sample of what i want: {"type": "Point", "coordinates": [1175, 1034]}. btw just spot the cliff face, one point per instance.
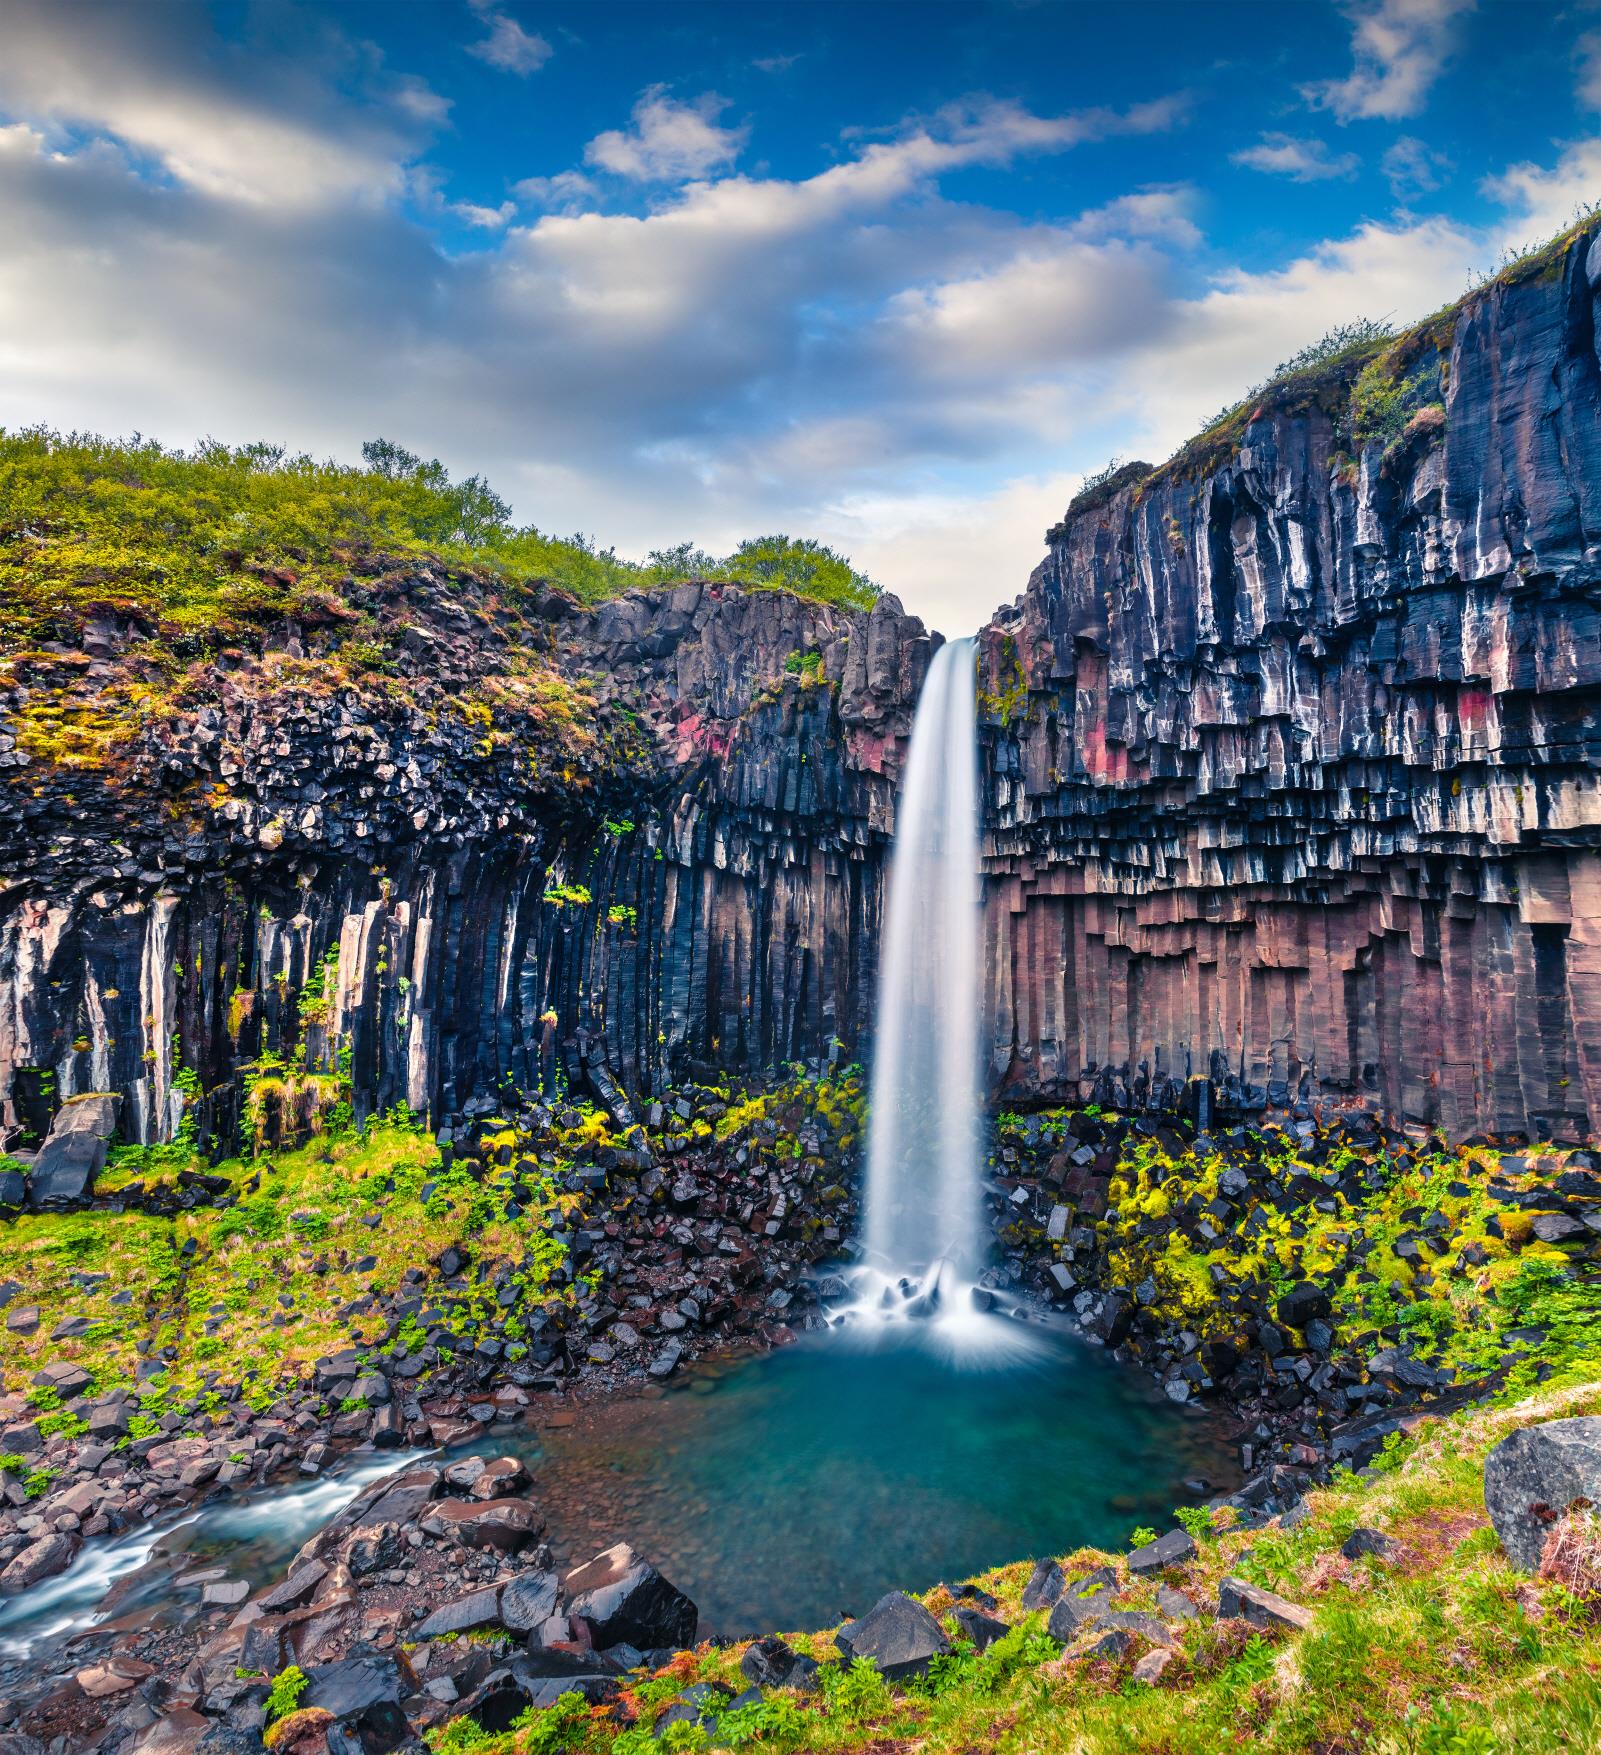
{"type": "Point", "coordinates": [1295, 770]}
{"type": "Point", "coordinates": [1293, 781]}
{"type": "Point", "coordinates": [614, 844]}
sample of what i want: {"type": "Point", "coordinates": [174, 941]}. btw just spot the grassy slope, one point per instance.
{"type": "Point", "coordinates": [208, 544]}
{"type": "Point", "coordinates": [334, 1227]}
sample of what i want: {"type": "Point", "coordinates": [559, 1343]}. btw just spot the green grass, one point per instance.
{"type": "Point", "coordinates": [214, 542]}
{"type": "Point", "coordinates": [297, 1230]}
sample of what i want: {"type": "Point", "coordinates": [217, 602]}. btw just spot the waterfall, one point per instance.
{"type": "Point", "coordinates": [922, 1205]}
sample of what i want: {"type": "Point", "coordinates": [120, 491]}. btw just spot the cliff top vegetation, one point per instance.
{"type": "Point", "coordinates": [1375, 378]}
{"type": "Point", "coordinates": [219, 538]}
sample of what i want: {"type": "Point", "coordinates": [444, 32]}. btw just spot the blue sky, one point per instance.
{"type": "Point", "coordinates": [896, 275]}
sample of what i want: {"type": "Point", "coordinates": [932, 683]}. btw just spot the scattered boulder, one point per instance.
{"type": "Point", "coordinates": [1045, 1584]}
{"type": "Point", "coordinates": [983, 1630]}
{"type": "Point", "coordinates": [480, 1608]}
{"type": "Point", "coordinates": [622, 1597]}
{"type": "Point", "coordinates": [528, 1601]}
{"type": "Point", "coordinates": [362, 1696]}
{"type": "Point", "coordinates": [1237, 1600]}
{"type": "Point", "coordinates": [1532, 1477]}
{"type": "Point", "coordinates": [898, 1633]}
{"type": "Point", "coordinates": [39, 1560]}
{"type": "Point", "coordinates": [1365, 1541]}
{"type": "Point", "coordinates": [1175, 1548]}
{"type": "Point", "coordinates": [771, 1663]}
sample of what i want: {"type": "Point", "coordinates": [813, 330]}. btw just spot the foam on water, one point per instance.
{"type": "Point", "coordinates": [134, 1570]}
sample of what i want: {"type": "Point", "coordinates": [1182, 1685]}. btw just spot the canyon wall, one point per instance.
{"type": "Point", "coordinates": [1293, 758]}
{"type": "Point", "coordinates": [652, 849]}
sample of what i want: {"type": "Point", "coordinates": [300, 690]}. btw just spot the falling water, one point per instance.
{"type": "Point", "coordinates": [923, 1213]}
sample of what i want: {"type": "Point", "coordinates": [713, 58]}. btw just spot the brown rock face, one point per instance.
{"type": "Point", "coordinates": [1294, 758]}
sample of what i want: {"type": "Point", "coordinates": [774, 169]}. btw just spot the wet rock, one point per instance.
{"type": "Point", "coordinates": [1530, 1480]}
{"type": "Point", "coordinates": [116, 1675]}
{"type": "Point", "coordinates": [362, 1697]}
{"type": "Point", "coordinates": [40, 1560]}
{"type": "Point", "coordinates": [528, 1601]}
{"type": "Point", "coordinates": [898, 1633]}
{"type": "Point", "coordinates": [507, 1525]}
{"type": "Point", "coordinates": [623, 1597]}
{"type": "Point", "coordinates": [479, 1608]}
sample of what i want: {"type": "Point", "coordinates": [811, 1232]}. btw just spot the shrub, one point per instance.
{"type": "Point", "coordinates": [284, 1694]}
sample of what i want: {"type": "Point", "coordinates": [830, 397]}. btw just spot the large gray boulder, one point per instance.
{"type": "Point", "coordinates": [898, 1634]}
{"type": "Point", "coordinates": [1531, 1478]}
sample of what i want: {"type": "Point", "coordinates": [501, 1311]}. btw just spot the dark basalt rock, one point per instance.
{"type": "Point", "coordinates": [1174, 1548]}
{"type": "Point", "coordinates": [1045, 1584]}
{"type": "Point", "coordinates": [1293, 744]}
{"type": "Point", "coordinates": [528, 1602]}
{"type": "Point", "coordinates": [983, 1630]}
{"type": "Point", "coordinates": [770, 1663]}
{"type": "Point", "coordinates": [622, 1597]}
{"type": "Point", "coordinates": [1237, 1600]}
{"type": "Point", "coordinates": [1534, 1476]}
{"type": "Point", "coordinates": [898, 1633]}
{"type": "Point", "coordinates": [40, 1560]}
{"type": "Point", "coordinates": [363, 1695]}
{"type": "Point", "coordinates": [727, 925]}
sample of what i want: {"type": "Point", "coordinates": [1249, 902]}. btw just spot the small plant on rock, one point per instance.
{"type": "Point", "coordinates": [284, 1694]}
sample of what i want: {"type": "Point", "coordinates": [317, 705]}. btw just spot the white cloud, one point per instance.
{"type": "Point", "coordinates": [1587, 53]}
{"type": "Point", "coordinates": [851, 354]}
{"type": "Point", "coordinates": [1399, 48]}
{"type": "Point", "coordinates": [1414, 167]}
{"type": "Point", "coordinates": [669, 141]}
{"type": "Point", "coordinates": [1056, 300]}
{"type": "Point", "coordinates": [134, 76]}
{"type": "Point", "coordinates": [508, 46]}
{"type": "Point", "coordinates": [1546, 199]}
{"type": "Point", "coordinates": [566, 192]}
{"type": "Point", "coordinates": [1301, 160]}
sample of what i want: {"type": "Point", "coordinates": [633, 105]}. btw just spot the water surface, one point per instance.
{"type": "Point", "coordinates": [786, 1490]}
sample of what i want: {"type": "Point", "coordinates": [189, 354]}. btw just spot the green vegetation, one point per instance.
{"type": "Point", "coordinates": [1379, 385]}
{"type": "Point", "coordinates": [257, 1288]}
{"type": "Point", "coordinates": [284, 1695]}
{"type": "Point", "coordinates": [1438, 1648]}
{"type": "Point", "coordinates": [1350, 1224]}
{"type": "Point", "coordinates": [210, 543]}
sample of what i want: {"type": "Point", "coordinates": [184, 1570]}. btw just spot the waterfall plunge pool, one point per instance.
{"type": "Point", "coordinates": [780, 1490]}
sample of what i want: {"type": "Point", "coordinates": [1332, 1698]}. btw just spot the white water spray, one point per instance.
{"type": "Point", "coordinates": [923, 1206]}
{"type": "Point", "coordinates": [922, 1171]}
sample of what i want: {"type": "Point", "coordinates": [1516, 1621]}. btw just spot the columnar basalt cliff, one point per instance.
{"type": "Point", "coordinates": [611, 846]}
{"type": "Point", "coordinates": [1295, 771]}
